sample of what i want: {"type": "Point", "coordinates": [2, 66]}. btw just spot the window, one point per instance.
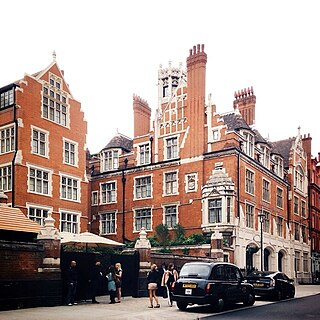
{"type": "Point", "coordinates": [249, 215]}
{"type": "Point", "coordinates": [54, 103]}
{"type": "Point", "coordinates": [296, 205]}
{"type": "Point", "coordinates": [6, 98]}
{"type": "Point", "coordinates": [171, 148]}
{"type": "Point", "coordinates": [278, 166]}
{"type": "Point", "coordinates": [265, 156]}
{"type": "Point", "coordinates": [108, 222]}
{"type": "Point", "coordinates": [108, 192]}
{"type": "Point", "coordinates": [248, 146]}
{"type": "Point", "coordinates": [144, 154]}
{"type": "Point", "coordinates": [70, 152]}
{"type": "Point", "coordinates": [6, 139]}
{"type": "Point", "coordinates": [69, 222]}
{"type": "Point", "coordinates": [266, 190]}
{"type": "Point", "coordinates": [296, 231]}
{"type": "Point", "coordinates": [229, 209]}
{"type": "Point", "coordinates": [37, 214]}
{"type": "Point", "coordinates": [304, 234]}
{"type": "Point", "coordinates": [39, 142]}
{"type": "Point", "coordinates": [299, 178]}
{"type": "Point", "coordinates": [110, 160]}
{"type": "Point", "coordinates": [39, 181]}
{"type": "Point", "coordinates": [303, 209]}
{"type": "Point", "coordinates": [296, 261]}
{"type": "Point", "coordinates": [170, 216]}
{"type": "Point", "coordinates": [142, 219]}
{"type": "Point", "coordinates": [266, 221]}
{"type": "Point", "coordinates": [279, 198]}
{"type": "Point", "coordinates": [305, 262]}
{"type": "Point", "coordinates": [70, 188]}
{"type": "Point", "coordinates": [94, 198]}
{"type": "Point", "coordinates": [215, 210]}
{"type": "Point", "coordinates": [143, 187]}
{"type": "Point", "coordinates": [5, 178]}
{"type": "Point", "coordinates": [280, 226]}
{"type": "Point", "coordinates": [171, 183]}
{"type": "Point", "coordinates": [249, 182]}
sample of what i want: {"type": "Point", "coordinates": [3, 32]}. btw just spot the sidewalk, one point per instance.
{"type": "Point", "coordinates": [129, 308]}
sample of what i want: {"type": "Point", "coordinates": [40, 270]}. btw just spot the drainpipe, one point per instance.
{"type": "Point", "coordinates": [15, 147]}
{"type": "Point", "coordinates": [123, 200]}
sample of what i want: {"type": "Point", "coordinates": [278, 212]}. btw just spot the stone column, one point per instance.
{"type": "Point", "coordinates": [216, 246]}
{"type": "Point", "coordinates": [143, 246]}
{"type": "Point", "coordinates": [50, 238]}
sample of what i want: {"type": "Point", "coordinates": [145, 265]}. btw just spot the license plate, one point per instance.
{"type": "Point", "coordinates": [189, 285]}
{"type": "Point", "coordinates": [188, 291]}
{"type": "Point", "coordinates": [258, 284]}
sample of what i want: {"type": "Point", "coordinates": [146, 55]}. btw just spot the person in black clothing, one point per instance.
{"type": "Point", "coordinates": [72, 280]}
{"type": "Point", "coordinates": [96, 278]}
{"type": "Point", "coordinates": [168, 278]}
{"type": "Point", "coordinates": [153, 279]}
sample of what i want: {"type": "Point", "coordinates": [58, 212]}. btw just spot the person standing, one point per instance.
{"type": "Point", "coordinates": [96, 277]}
{"type": "Point", "coordinates": [72, 280]}
{"type": "Point", "coordinates": [153, 280]}
{"type": "Point", "coordinates": [118, 272]}
{"type": "Point", "coordinates": [111, 276]}
{"type": "Point", "coordinates": [169, 277]}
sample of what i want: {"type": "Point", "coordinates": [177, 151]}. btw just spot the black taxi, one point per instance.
{"type": "Point", "coordinates": [217, 284]}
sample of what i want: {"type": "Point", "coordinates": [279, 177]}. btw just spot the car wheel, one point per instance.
{"type": "Point", "coordinates": [278, 295]}
{"type": "Point", "coordinates": [218, 305]}
{"type": "Point", "coordinates": [249, 300]}
{"type": "Point", "coordinates": [182, 306]}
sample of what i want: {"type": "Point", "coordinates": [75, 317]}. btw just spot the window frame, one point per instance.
{"type": "Point", "coordinates": [249, 215]}
{"type": "Point", "coordinates": [7, 142]}
{"type": "Point", "coordinates": [171, 150]}
{"type": "Point", "coordinates": [148, 219]}
{"type": "Point", "coordinates": [250, 181]}
{"type": "Point", "coordinates": [108, 195]}
{"type": "Point", "coordinates": [40, 144]}
{"type": "Point", "coordinates": [75, 152]}
{"type": "Point", "coordinates": [37, 207]}
{"type": "Point", "coordinates": [48, 181]}
{"type": "Point", "coordinates": [266, 190]}
{"type": "Point", "coordinates": [148, 187]}
{"type": "Point", "coordinates": [215, 210]}
{"type": "Point", "coordinates": [170, 183]}
{"type": "Point", "coordinates": [64, 194]}
{"type": "Point", "coordinates": [75, 224]}
{"type": "Point", "coordinates": [173, 215]}
{"type": "Point", "coordinates": [6, 177]}
{"type": "Point", "coordinates": [109, 223]}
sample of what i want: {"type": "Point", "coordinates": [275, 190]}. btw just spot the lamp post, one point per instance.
{"type": "Point", "coordinates": [261, 216]}
{"type": "Point", "coordinates": [123, 200]}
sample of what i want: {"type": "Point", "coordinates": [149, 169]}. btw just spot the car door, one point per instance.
{"type": "Point", "coordinates": [232, 284]}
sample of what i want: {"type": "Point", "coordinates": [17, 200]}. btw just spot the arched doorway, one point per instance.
{"type": "Point", "coordinates": [251, 249]}
{"type": "Point", "coordinates": [280, 261]}
{"type": "Point", "coordinates": [266, 255]}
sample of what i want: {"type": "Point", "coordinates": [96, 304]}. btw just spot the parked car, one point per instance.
{"type": "Point", "coordinates": [272, 284]}
{"type": "Point", "coordinates": [216, 284]}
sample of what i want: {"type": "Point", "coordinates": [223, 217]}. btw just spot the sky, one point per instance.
{"type": "Point", "coordinates": [110, 50]}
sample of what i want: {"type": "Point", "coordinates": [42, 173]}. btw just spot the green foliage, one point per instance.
{"type": "Point", "coordinates": [179, 233]}
{"type": "Point", "coordinates": [165, 250]}
{"type": "Point", "coordinates": [154, 241]}
{"type": "Point", "coordinates": [163, 235]}
{"type": "Point", "coordinates": [185, 251]}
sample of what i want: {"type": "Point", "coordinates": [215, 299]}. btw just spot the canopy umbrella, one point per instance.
{"type": "Point", "coordinates": [89, 239]}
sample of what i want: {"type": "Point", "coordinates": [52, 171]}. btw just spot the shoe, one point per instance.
{"type": "Point", "coordinates": [97, 302]}
{"type": "Point", "coordinates": [75, 303]}
{"type": "Point", "coordinates": [150, 306]}
{"type": "Point", "coordinates": [111, 302]}
{"type": "Point", "coordinates": [118, 301]}
{"type": "Point", "coordinates": [157, 306]}
{"type": "Point", "coordinates": [69, 304]}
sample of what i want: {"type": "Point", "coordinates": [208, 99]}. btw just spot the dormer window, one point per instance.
{"type": "Point", "coordinates": [248, 145]}
{"type": "Point", "coordinates": [110, 160]}
{"type": "Point", "coordinates": [265, 156]}
{"type": "Point", "coordinates": [278, 166]}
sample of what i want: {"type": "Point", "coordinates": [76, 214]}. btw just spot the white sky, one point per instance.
{"type": "Point", "coordinates": [112, 49]}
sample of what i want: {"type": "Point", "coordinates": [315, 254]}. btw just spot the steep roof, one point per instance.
{"type": "Point", "coordinates": [259, 138]}
{"type": "Point", "coordinates": [120, 141]}
{"type": "Point", "coordinates": [234, 121]}
{"type": "Point", "coordinates": [283, 148]}
{"type": "Point", "coordinates": [13, 219]}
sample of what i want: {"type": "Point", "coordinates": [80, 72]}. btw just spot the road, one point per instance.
{"type": "Point", "coordinates": [293, 309]}
{"type": "Point", "coordinates": [137, 309]}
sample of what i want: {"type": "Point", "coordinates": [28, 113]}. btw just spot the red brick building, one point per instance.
{"type": "Point", "coordinates": [42, 149]}
{"type": "Point", "coordinates": [211, 173]}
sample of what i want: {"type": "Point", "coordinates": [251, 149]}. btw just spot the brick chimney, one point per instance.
{"type": "Point", "coordinates": [245, 101]}
{"type": "Point", "coordinates": [141, 115]}
{"type": "Point", "coordinates": [196, 77]}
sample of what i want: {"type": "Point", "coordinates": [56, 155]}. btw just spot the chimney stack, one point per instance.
{"type": "Point", "coordinates": [141, 115]}
{"type": "Point", "coordinates": [245, 102]}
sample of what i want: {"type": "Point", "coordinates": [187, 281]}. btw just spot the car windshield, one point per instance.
{"type": "Point", "coordinates": [256, 274]}
{"type": "Point", "coordinates": [195, 270]}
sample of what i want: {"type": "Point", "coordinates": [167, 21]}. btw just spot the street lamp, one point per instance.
{"type": "Point", "coordinates": [261, 216]}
